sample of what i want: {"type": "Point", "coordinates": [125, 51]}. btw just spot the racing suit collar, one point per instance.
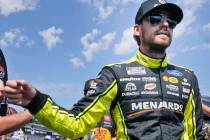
{"type": "Point", "coordinates": [150, 62]}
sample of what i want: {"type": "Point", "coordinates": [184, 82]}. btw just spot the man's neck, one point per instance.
{"type": "Point", "coordinates": [152, 53]}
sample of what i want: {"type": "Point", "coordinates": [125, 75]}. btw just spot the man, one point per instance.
{"type": "Point", "coordinates": [206, 126]}
{"type": "Point", "coordinates": [206, 105]}
{"type": "Point", "coordinates": [206, 109]}
{"type": "Point", "coordinates": [12, 122]}
{"type": "Point", "coordinates": [148, 97]}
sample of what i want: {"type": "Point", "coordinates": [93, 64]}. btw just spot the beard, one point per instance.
{"type": "Point", "coordinates": [158, 48]}
{"type": "Point", "coordinates": [155, 42]}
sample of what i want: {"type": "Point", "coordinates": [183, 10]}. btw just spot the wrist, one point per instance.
{"type": "Point", "coordinates": [37, 102]}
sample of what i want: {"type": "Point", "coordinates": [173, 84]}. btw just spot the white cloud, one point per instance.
{"type": "Point", "coordinates": [76, 62]}
{"type": "Point", "coordinates": [196, 47]}
{"type": "Point", "coordinates": [190, 8]}
{"type": "Point", "coordinates": [15, 37]}
{"type": "Point", "coordinates": [127, 43]}
{"type": "Point", "coordinates": [8, 7]}
{"type": "Point", "coordinates": [192, 4]}
{"type": "Point", "coordinates": [52, 88]}
{"type": "Point", "coordinates": [125, 2]}
{"type": "Point", "coordinates": [86, 1]}
{"type": "Point", "coordinates": [188, 49]}
{"type": "Point", "coordinates": [206, 27]}
{"type": "Point", "coordinates": [171, 55]}
{"type": "Point", "coordinates": [60, 92]}
{"type": "Point", "coordinates": [92, 47]}
{"type": "Point", "coordinates": [105, 12]}
{"type": "Point", "coordinates": [204, 91]}
{"type": "Point", "coordinates": [107, 8]}
{"type": "Point", "coordinates": [51, 36]}
{"type": "Point", "coordinates": [185, 27]}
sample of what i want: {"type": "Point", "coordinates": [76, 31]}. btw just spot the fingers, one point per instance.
{"type": "Point", "coordinates": [19, 92]}
{"type": "Point", "coordinates": [15, 101]}
{"type": "Point", "coordinates": [14, 86]}
{"type": "Point", "coordinates": [13, 91]}
{"type": "Point", "coordinates": [16, 83]}
{"type": "Point", "coordinates": [14, 96]}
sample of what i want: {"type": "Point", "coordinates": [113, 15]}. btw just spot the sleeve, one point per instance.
{"type": "Point", "coordinates": [85, 113]}
{"type": "Point", "coordinates": [193, 116]}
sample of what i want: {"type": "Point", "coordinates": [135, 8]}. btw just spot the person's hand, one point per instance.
{"type": "Point", "coordinates": [19, 92]}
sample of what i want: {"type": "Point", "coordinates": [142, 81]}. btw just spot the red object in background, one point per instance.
{"type": "Point", "coordinates": [11, 111]}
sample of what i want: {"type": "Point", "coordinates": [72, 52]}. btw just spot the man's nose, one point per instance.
{"type": "Point", "coordinates": [165, 22]}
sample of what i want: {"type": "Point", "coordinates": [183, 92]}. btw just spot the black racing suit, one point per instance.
{"type": "Point", "coordinates": [148, 98]}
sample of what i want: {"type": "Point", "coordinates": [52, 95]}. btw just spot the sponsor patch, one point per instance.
{"type": "Point", "coordinates": [91, 91]}
{"type": "Point", "coordinates": [172, 87]}
{"type": "Point", "coordinates": [175, 73]}
{"type": "Point", "coordinates": [173, 80]}
{"type": "Point", "coordinates": [185, 82]}
{"type": "Point", "coordinates": [136, 70]}
{"type": "Point", "coordinates": [149, 79]}
{"type": "Point", "coordinates": [130, 87]}
{"type": "Point", "coordinates": [150, 86]}
{"type": "Point", "coordinates": [93, 85]}
{"type": "Point", "coordinates": [131, 93]}
{"type": "Point", "coordinates": [130, 79]}
{"type": "Point", "coordinates": [156, 105]}
{"type": "Point", "coordinates": [173, 93]}
{"type": "Point", "coordinates": [186, 90]}
{"type": "Point", "coordinates": [165, 78]}
{"type": "Point", "coordinates": [149, 92]}
{"type": "Point", "coordinates": [185, 96]}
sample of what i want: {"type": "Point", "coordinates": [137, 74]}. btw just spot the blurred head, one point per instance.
{"type": "Point", "coordinates": [1, 90]}
{"type": "Point", "coordinates": [89, 86]}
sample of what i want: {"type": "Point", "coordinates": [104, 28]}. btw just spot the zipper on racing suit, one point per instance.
{"type": "Point", "coordinates": [161, 89]}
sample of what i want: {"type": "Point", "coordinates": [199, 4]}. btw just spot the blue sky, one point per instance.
{"type": "Point", "coordinates": [58, 45]}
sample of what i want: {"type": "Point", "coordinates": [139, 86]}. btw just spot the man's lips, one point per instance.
{"type": "Point", "coordinates": [164, 33]}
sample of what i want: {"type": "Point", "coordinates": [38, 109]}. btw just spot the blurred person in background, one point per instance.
{"type": "Point", "coordinates": [13, 121]}
{"type": "Point", "coordinates": [206, 109]}
{"type": "Point", "coordinates": [105, 129]}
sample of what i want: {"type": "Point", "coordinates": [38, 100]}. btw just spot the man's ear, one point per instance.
{"type": "Point", "coordinates": [136, 30]}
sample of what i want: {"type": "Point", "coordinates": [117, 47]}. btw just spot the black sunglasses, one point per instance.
{"type": "Point", "coordinates": [156, 19]}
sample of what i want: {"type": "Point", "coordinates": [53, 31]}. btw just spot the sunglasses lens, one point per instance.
{"type": "Point", "coordinates": [171, 23]}
{"type": "Point", "coordinates": [155, 19]}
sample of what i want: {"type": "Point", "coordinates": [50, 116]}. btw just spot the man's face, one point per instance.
{"type": "Point", "coordinates": [1, 96]}
{"type": "Point", "coordinates": [1, 90]}
{"type": "Point", "coordinates": [156, 30]}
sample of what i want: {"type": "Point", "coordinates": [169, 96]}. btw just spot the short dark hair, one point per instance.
{"type": "Point", "coordinates": [136, 37]}
{"type": "Point", "coordinates": [138, 41]}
